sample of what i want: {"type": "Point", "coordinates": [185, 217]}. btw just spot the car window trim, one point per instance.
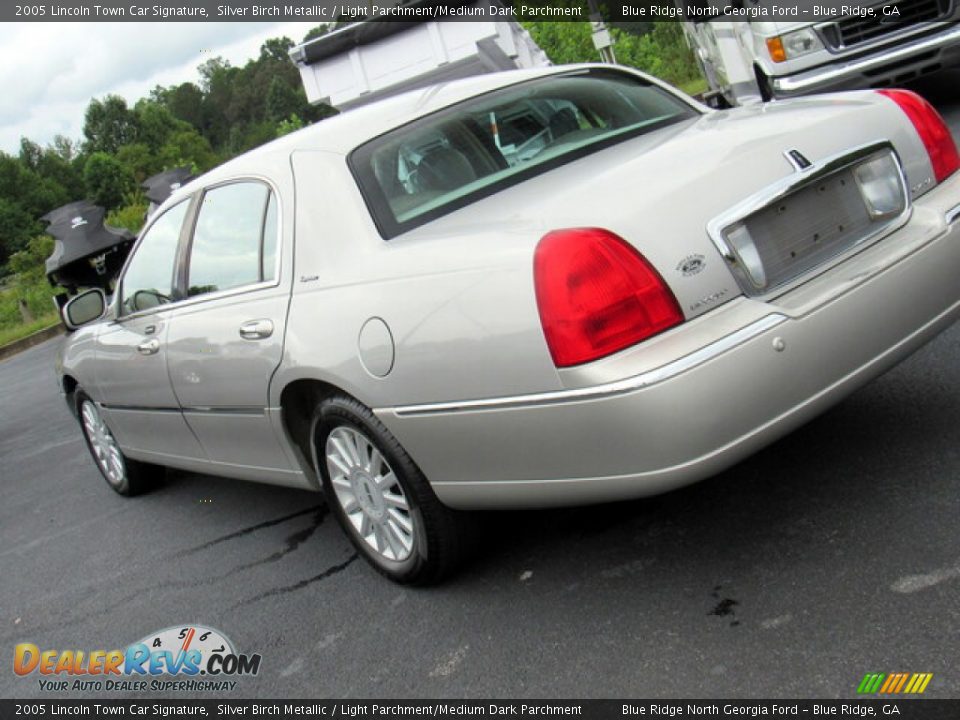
{"type": "Point", "coordinates": [263, 233]}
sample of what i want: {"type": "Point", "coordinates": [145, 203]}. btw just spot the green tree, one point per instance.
{"type": "Point", "coordinates": [228, 111]}
{"type": "Point", "coordinates": [276, 49]}
{"type": "Point", "coordinates": [564, 42]}
{"type": "Point", "coordinates": [680, 65]}
{"type": "Point", "coordinates": [247, 137]}
{"type": "Point", "coordinates": [107, 180]}
{"type": "Point", "coordinates": [30, 153]}
{"type": "Point", "coordinates": [282, 100]}
{"type": "Point", "coordinates": [131, 215]}
{"type": "Point", "coordinates": [187, 147]}
{"type": "Point", "coordinates": [185, 102]}
{"type": "Point", "coordinates": [156, 124]}
{"type": "Point", "coordinates": [53, 166]}
{"type": "Point", "coordinates": [64, 148]}
{"type": "Point", "coordinates": [656, 48]}
{"type": "Point", "coordinates": [289, 125]}
{"type": "Point", "coordinates": [108, 124]}
{"type": "Point", "coordinates": [139, 161]}
{"type": "Point", "coordinates": [217, 81]}
{"type": "Point", "coordinates": [27, 188]}
{"type": "Point", "coordinates": [16, 228]}
{"type": "Point", "coordinates": [29, 262]}
{"type": "Point", "coordinates": [315, 32]}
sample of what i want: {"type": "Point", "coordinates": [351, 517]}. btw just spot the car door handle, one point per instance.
{"type": "Point", "coordinates": [256, 330]}
{"type": "Point", "coordinates": [150, 347]}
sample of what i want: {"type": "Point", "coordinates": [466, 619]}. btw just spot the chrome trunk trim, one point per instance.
{"type": "Point", "coordinates": [791, 184]}
{"type": "Point", "coordinates": [952, 214]}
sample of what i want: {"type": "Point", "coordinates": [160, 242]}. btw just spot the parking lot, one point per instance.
{"type": "Point", "coordinates": [833, 553]}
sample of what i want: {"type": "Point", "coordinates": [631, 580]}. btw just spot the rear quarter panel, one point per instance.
{"type": "Point", "coordinates": [457, 294]}
{"type": "Point", "coordinates": [460, 308]}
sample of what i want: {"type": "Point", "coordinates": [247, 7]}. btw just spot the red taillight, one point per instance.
{"type": "Point", "coordinates": [931, 128]}
{"type": "Point", "coordinates": [597, 295]}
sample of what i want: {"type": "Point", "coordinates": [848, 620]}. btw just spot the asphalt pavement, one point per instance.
{"type": "Point", "coordinates": [831, 554]}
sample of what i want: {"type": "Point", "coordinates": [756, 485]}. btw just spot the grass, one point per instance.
{"type": "Point", "coordinates": [16, 332]}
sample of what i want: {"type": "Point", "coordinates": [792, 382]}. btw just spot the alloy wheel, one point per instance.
{"type": "Point", "coordinates": [105, 449]}
{"type": "Point", "coordinates": [370, 494]}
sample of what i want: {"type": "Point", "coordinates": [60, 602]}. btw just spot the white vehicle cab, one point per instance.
{"type": "Point", "coordinates": [749, 50]}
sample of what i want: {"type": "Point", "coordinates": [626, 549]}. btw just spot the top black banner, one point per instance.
{"type": "Point", "coordinates": [328, 11]}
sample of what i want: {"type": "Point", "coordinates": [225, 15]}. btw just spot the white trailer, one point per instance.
{"type": "Point", "coordinates": [370, 60]}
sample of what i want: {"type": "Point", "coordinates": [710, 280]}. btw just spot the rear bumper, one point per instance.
{"type": "Point", "coordinates": [703, 412]}
{"type": "Point", "coordinates": [899, 63]}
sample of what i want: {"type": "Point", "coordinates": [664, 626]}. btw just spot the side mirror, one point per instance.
{"type": "Point", "coordinates": [84, 308]}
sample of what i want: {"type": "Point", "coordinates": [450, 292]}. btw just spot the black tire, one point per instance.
{"type": "Point", "coordinates": [437, 533]}
{"type": "Point", "coordinates": [763, 83]}
{"type": "Point", "coordinates": [720, 102]}
{"type": "Point", "coordinates": [125, 476]}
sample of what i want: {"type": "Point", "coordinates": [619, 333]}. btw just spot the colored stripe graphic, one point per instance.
{"type": "Point", "coordinates": [891, 680]}
{"type": "Point", "coordinates": [870, 683]}
{"type": "Point", "coordinates": [900, 683]}
{"type": "Point", "coordinates": [894, 683]}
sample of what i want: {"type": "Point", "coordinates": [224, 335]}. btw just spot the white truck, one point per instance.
{"type": "Point", "coordinates": [759, 50]}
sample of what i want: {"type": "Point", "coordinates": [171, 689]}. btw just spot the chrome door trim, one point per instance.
{"type": "Point", "coordinates": [224, 410]}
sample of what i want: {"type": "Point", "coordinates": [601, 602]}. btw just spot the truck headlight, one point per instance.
{"type": "Point", "coordinates": [793, 44]}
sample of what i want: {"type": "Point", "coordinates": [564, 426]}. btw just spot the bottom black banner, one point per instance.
{"type": "Point", "coordinates": [593, 709]}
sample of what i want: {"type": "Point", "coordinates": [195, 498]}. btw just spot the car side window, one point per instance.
{"type": "Point", "coordinates": [235, 238]}
{"type": "Point", "coordinates": [148, 281]}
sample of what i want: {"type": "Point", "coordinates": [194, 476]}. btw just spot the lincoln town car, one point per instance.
{"type": "Point", "coordinates": [536, 288]}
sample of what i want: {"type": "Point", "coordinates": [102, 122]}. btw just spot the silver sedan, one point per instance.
{"type": "Point", "coordinates": [529, 289]}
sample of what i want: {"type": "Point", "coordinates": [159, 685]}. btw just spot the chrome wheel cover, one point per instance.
{"type": "Point", "coordinates": [105, 449]}
{"type": "Point", "coordinates": [369, 494]}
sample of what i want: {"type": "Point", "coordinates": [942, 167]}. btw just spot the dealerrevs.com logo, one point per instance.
{"type": "Point", "coordinates": [179, 658]}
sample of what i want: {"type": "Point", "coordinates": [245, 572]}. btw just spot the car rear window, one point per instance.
{"type": "Point", "coordinates": [454, 157]}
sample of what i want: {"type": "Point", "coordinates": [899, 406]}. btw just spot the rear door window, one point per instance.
{"type": "Point", "coordinates": [234, 239]}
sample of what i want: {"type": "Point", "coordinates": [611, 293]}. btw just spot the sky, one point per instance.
{"type": "Point", "coordinates": [50, 71]}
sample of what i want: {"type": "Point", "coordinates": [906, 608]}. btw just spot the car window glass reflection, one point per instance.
{"type": "Point", "coordinates": [148, 281]}
{"type": "Point", "coordinates": [225, 252]}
